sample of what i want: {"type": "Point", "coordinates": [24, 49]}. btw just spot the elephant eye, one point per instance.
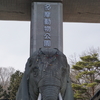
{"type": "Point", "coordinates": [35, 71]}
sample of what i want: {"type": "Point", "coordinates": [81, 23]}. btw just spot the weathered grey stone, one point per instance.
{"type": "Point", "coordinates": [46, 26]}
{"type": "Point", "coordinates": [47, 73]}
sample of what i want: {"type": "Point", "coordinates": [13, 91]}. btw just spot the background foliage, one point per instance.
{"type": "Point", "coordinates": [85, 75]}
{"type": "Point", "coordinates": [9, 82]}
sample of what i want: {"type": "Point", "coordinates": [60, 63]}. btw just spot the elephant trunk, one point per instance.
{"type": "Point", "coordinates": [49, 92]}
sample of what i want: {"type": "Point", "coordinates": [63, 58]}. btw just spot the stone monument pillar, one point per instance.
{"type": "Point", "coordinates": [46, 71]}
{"type": "Point", "coordinates": [46, 25]}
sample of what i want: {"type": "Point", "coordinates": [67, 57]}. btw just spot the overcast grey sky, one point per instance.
{"type": "Point", "coordinates": [15, 41]}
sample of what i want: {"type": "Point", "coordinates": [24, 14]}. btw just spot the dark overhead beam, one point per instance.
{"type": "Point", "coordinates": [74, 10]}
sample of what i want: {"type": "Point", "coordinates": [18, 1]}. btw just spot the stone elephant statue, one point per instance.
{"type": "Point", "coordinates": [46, 73]}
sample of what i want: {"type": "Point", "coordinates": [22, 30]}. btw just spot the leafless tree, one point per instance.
{"type": "Point", "coordinates": [5, 74]}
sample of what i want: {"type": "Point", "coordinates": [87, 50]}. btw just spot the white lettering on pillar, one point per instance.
{"type": "Point", "coordinates": [47, 14]}
{"type": "Point", "coordinates": [47, 29]}
{"type": "Point", "coordinates": [47, 21]}
{"type": "Point", "coordinates": [47, 25]}
{"type": "Point", "coordinates": [47, 7]}
{"type": "Point", "coordinates": [47, 43]}
{"type": "Point", "coordinates": [47, 36]}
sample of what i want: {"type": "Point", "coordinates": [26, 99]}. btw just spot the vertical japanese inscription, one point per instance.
{"type": "Point", "coordinates": [47, 25]}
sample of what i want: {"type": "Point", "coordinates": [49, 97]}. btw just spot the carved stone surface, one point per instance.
{"type": "Point", "coordinates": [46, 26]}
{"type": "Point", "coordinates": [46, 73]}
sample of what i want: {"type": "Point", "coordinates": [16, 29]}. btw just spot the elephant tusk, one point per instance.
{"type": "Point", "coordinates": [60, 97]}
{"type": "Point", "coordinates": [39, 97]}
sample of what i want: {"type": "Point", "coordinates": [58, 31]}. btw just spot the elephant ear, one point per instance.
{"type": "Point", "coordinates": [69, 95]}
{"type": "Point", "coordinates": [22, 93]}
{"type": "Point", "coordinates": [68, 92]}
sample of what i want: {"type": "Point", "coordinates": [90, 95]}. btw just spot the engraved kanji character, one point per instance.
{"type": "Point", "coordinates": [47, 36]}
{"type": "Point", "coordinates": [47, 14]}
{"type": "Point", "coordinates": [47, 7]}
{"type": "Point", "coordinates": [47, 43]}
{"type": "Point", "coordinates": [47, 21]}
{"type": "Point", "coordinates": [47, 29]}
